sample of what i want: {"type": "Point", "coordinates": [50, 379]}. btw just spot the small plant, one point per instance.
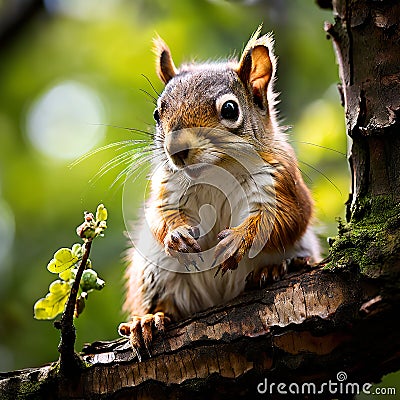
{"type": "Point", "coordinates": [68, 293]}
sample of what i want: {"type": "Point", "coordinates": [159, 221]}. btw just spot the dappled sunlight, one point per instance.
{"type": "Point", "coordinates": [66, 121]}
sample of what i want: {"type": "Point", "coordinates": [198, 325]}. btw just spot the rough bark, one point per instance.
{"type": "Point", "coordinates": [312, 325]}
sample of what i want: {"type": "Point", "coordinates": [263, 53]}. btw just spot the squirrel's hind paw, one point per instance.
{"type": "Point", "coordinates": [140, 331]}
{"type": "Point", "coordinates": [266, 275]}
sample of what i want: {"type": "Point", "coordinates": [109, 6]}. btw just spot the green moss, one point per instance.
{"type": "Point", "coordinates": [36, 386]}
{"type": "Point", "coordinates": [371, 241]}
{"type": "Point", "coordinates": [33, 389]}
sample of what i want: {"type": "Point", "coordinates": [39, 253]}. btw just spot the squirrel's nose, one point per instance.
{"type": "Point", "coordinates": [177, 145]}
{"type": "Point", "coordinates": [181, 156]}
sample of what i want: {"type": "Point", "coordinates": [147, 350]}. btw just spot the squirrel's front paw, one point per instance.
{"type": "Point", "coordinates": [229, 250]}
{"type": "Point", "coordinates": [181, 243]}
{"type": "Point", "coordinates": [140, 331]}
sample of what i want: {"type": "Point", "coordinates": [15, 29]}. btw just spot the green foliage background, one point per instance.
{"type": "Point", "coordinates": [107, 47]}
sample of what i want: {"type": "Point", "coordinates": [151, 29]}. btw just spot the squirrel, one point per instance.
{"type": "Point", "coordinates": [228, 204]}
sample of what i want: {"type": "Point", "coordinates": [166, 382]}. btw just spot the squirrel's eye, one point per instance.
{"type": "Point", "coordinates": [156, 116]}
{"type": "Point", "coordinates": [230, 110]}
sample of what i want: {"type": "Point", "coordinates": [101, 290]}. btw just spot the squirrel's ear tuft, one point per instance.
{"type": "Point", "coordinates": [256, 66]}
{"type": "Point", "coordinates": [164, 64]}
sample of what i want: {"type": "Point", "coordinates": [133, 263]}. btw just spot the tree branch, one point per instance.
{"type": "Point", "coordinates": [306, 328]}
{"type": "Point", "coordinates": [70, 362]}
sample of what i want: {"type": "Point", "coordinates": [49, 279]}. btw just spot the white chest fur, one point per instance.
{"type": "Point", "coordinates": [213, 202]}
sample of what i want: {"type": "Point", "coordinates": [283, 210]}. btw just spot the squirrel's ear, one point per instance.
{"type": "Point", "coordinates": [164, 63]}
{"type": "Point", "coordinates": [255, 67]}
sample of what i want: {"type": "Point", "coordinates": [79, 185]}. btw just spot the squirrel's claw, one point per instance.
{"type": "Point", "coordinates": [181, 240]}
{"type": "Point", "coordinates": [229, 251]}
{"type": "Point", "coordinates": [266, 275]}
{"type": "Point", "coordinates": [181, 243]}
{"type": "Point", "coordinates": [140, 331]}
{"type": "Point", "coordinates": [229, 264]}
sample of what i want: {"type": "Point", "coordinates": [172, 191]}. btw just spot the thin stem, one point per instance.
{"type": "Point", "coordinates": [69, 361]}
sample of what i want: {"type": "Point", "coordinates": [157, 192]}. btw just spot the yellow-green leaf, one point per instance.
{"type": "Point", "coordinates": [64, 256]}
{"type": "Point", "coordinates": [67, 274]}
{"type": "Point", "coordinates": [54, 302]}
{"type": "Point", "coordinates": [101, 213]}
{"type": "Point", "coordinates": [52, 265]}
{"type": "Point", "coordinates": [63, 259]}
{"type": "Point", "coordinates": [77, 250]}
{"type": "Point", "coordinates": [59, 288]}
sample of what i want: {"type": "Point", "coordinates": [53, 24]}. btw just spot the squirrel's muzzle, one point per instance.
{"type": "Point", "coordinates": [180, 147]}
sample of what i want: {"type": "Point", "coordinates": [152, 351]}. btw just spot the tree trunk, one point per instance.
{"type": "Point", "coordinates": [366, 37]}
{"type": "Point", "coordinates": [325, 325]}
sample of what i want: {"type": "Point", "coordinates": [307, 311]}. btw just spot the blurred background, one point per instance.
{"type": "Point", "coordinates": [72, 77]}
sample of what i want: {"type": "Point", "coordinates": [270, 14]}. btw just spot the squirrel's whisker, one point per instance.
{"type": "Point", "coordinates": [324, 175]}
{"type": "Point", "coordinates": [151, 85]}
{"type": "Point", "coordinates": [308, 177]}
{"type": "Point", "coordinates": [320, 147]}
{"type": "Point", "coordinates": [121, 144]}
{"type": "Point", "coordinates": [317, 145]}
{"type": "Point", "coordinates": [132, 130]}
{"type": "Point", "coordinates": [133, 167]}
{"type": "Point", "coordinates": [154, 100]}
{"type": "Point", "coordinates": [134, 161]}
